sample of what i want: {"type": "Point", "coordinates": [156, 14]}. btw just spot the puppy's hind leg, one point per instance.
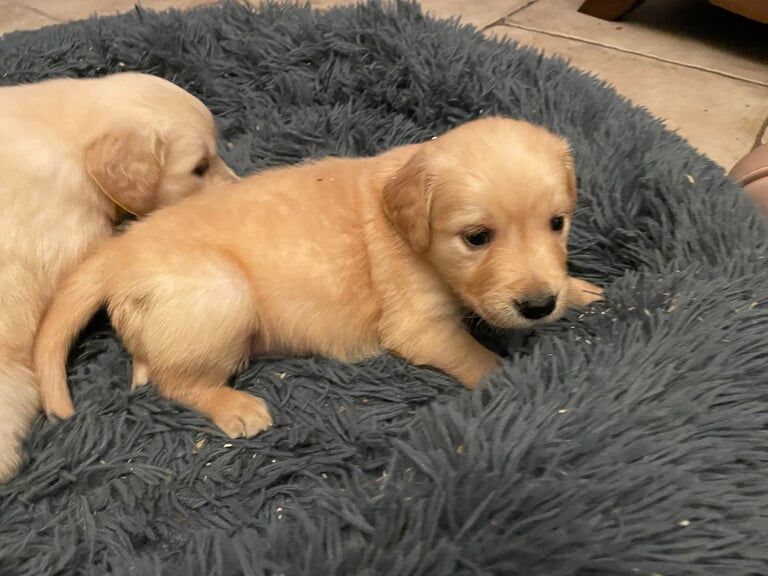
{"type": "Point", "coordinates": [22, 301]}
{"type": "Point", "coordinates": [139, 373]}
{"type": "Point", "coordinates": [190, 330]}
{"type": "Point", "coordinates": [19, 406]}
{"type": "Point", "coordinates": [236, 413]}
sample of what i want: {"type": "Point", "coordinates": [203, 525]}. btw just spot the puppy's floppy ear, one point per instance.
{"type": "Point", "coordinates": [408, 202]}
{"type": "Point", "coordinates": [126, 163]}
{"type": "Point", "coordinates": [570, 167]}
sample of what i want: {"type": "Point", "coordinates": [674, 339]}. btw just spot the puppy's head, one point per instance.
{"type": "Point", "coordinates": [489, 205]}
{"type": "Point", "coordinates": [154, 145]}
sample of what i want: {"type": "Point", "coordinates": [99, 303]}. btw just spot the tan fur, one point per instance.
{"type": "Point", "coordinates": [73, 153]}
{"type": "Point", "coordinates": [340, 257]}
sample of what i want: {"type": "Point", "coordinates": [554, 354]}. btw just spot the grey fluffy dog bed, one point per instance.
{"type": "Point", "coordinates": [630, 439]}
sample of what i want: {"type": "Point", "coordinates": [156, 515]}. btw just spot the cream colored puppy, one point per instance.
{"type": "Point", "coordinates": [340, 257]}
{"type": "Point", "coordinates": [74, 154]}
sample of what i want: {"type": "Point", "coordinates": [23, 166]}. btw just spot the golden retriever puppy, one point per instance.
{"type": "Point", "coordinates": [340, 257]}
{"type": "Point", "coordinates": [74, 155]}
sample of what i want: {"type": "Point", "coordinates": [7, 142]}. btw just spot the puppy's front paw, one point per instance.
{"type": "Point", "coordinates": [583, 293]}
{"type": "Point", "coordinates": [241, 415]}
{"type": "Point", "coordinates": [478, 368]}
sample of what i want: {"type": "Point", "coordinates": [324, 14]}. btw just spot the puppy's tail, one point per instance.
{"type": "Point", "coordinates": [19, 406]}
{"type": "Point", "coordinates": [78, 299]}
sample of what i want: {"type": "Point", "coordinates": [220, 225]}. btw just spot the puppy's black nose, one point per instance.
{"type": "Point", "coordinates": [536, 308]}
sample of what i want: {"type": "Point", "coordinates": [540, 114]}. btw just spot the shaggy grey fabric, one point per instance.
{"type": "Point", "coordinates": [631, 439]}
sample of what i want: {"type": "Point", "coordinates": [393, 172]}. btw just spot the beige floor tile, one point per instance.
{"type": "Point", "coordinates": [719, 116]}
{"type": "Point", "coordinates": [14, 16]}
{"type": "Point", "coordinates": [79, 9]}
{"type": "Point", "coordinates": [692, 32]}
{"type": "Point", "coordinates": [480, 13]}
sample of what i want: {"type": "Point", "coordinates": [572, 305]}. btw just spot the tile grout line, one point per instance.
{"type": "Point", "coordinates": [761, 134]}
{"type": "Point", "coordinates": [36, 11]}
{"type": "Point", "coordinates": [503, 19]}
{"type": "Point", "coordinates": [634, 52]}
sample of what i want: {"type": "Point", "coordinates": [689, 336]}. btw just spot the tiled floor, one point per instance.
{"type": "Point", "coordinates": [702, 69]}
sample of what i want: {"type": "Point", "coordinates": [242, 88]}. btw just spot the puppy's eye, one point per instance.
{"type": "Point", "coordinates": [557, 223]}
{"type": "Point", "coordinates": [478, 238]}
{"type": "Point", "coordinates": [201, 168]}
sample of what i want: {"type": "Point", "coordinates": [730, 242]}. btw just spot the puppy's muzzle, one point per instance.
{"type": "Point", "coordinates": [537, 307]}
